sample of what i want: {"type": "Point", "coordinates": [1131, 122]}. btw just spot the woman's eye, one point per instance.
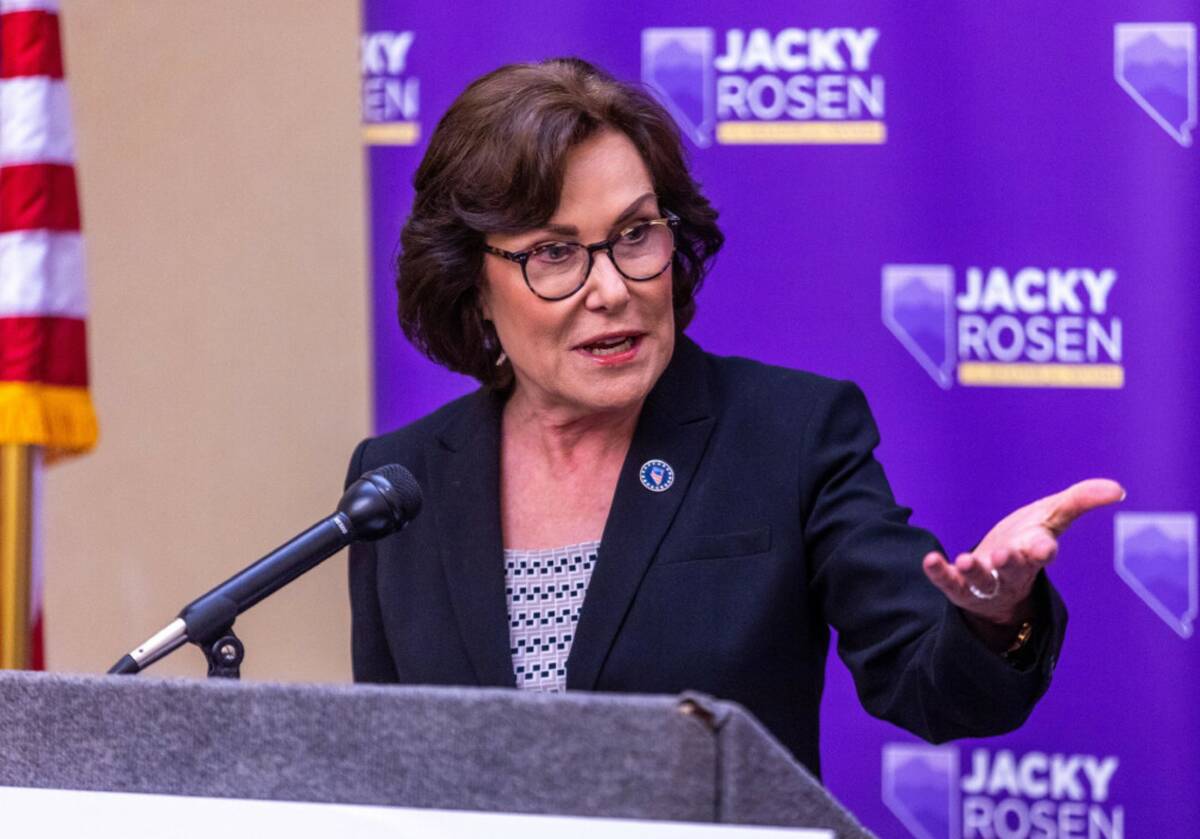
{"type": "Point", "coordinates": [553, 253]}
{"type": "Point", "coordinates": [635, 234]}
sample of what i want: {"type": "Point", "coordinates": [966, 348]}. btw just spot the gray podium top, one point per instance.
{"type": "Point", "coordinates": [686, 758]}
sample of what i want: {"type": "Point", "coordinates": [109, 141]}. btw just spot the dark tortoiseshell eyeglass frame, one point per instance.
{"type": "Point", "coordinates": [669, 220]}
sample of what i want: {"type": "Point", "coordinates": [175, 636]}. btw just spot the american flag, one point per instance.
{"type": "Point", "coordinates": [44, 399]}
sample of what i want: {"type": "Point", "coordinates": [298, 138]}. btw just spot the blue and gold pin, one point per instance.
{"type": "Point", "coordinates": [657, 475]}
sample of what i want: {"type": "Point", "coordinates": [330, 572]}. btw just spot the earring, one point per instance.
{"type": "Point", "coordinates": [491, 341]}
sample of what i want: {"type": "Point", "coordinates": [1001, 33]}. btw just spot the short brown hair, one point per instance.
{"type": "Point", "coordinates": [495, 164]}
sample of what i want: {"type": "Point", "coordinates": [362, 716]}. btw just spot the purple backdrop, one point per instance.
{"type": "Point", "coordinates": [988, 219]}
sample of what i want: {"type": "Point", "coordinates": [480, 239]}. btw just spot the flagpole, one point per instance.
{"type": "Point", "coordinates": [44, 401]}
{"type": "Point", "coordinates": [16, 545]}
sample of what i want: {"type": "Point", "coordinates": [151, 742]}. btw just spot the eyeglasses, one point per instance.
{"type": "Point", "coordinates": [556, 270]}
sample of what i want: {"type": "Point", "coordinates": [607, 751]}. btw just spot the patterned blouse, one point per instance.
{"type": "Point", "coordinates": [545, 594]}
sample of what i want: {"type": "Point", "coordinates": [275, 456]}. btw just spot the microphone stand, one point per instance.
{"type": "Point", "coordinates": [380, 502]}
{"type": "Point", "coordinates": [222, 649]}
{"type": "Point", "coordinates": [224, 655]}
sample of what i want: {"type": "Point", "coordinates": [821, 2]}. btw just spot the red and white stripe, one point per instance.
{"type": "Point", "coordinates": [43, 302]}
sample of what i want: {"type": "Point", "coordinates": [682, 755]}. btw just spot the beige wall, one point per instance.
{"type": "Point", "coordinates": [221, 181]}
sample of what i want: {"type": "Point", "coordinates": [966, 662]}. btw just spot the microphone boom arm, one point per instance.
{"type": "Point", "coordinates": [378, 503]}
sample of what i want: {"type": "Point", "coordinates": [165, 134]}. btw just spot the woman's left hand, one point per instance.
{"type": "Point", "coordinates": [993, 582]}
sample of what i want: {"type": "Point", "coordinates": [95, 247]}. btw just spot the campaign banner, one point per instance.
{"type": "Point", "coordinates": [989, 218]}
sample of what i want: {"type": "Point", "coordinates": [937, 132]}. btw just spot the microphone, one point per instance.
{"type": "Point", "coordinates": [380, 502]}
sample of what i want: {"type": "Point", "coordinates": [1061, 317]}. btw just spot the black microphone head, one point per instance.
{"type": "Point", "coordinates": [399, 487]}
{"type": "Point", "coordinates": [382, 501]}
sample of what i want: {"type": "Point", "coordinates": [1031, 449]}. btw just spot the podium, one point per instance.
{"type": "Point", "coordinates": [686, 759]}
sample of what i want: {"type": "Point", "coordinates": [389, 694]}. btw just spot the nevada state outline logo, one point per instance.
{"type": "Point", "coordinates": [1155, 554]}
{"type": "Point", "coordinates": [1155, 63]}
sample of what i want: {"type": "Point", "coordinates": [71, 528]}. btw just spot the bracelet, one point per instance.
{"type": "Point", "coordinates": [1023, 636]}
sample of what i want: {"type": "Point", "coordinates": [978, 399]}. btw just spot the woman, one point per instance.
{"type": "Point", "coordinates": [617, 510]}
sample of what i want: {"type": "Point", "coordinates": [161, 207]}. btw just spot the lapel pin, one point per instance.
{"type": "Point", "coordinates": [657, 475]}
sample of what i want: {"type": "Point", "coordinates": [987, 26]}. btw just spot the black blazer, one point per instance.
{"type": "Point", "coordinates": [780, 523]}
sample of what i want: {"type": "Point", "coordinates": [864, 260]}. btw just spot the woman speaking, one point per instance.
{"type": "Point", "coordinates": [617, 510]}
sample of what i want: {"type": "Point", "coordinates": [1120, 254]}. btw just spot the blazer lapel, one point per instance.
{"type": "Point", "coordinates": [675, 426]}
{"type": "Point", "coordinates": [464, 473]}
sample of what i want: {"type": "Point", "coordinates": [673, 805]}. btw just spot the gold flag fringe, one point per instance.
{"type": "Point", "coordinates": [59, 419]}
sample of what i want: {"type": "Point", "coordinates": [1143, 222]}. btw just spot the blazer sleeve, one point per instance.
{"type": "Point", "coordinates": [371, 657]}
{"type": "Point", "coordinates": [913, 658]}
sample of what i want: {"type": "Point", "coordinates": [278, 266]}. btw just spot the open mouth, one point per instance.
{"type": "Point", "coordinates": [616, 348]}
{"type": "Point", "coordinates": [610, 346]}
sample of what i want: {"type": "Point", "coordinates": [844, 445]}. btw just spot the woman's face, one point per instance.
{"type": "Point", "coordinates": [604, 347]}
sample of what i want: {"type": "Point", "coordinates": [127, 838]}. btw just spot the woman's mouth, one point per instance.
{"type": "Point", "coordinates": [614, 349]}
{"type": "Point", "coordinates": [612, 346]}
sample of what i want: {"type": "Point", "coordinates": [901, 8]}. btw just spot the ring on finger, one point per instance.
{"type": "Point", "coordinates": [986, 595]}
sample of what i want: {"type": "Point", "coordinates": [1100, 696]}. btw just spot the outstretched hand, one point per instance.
{"type": "Point", "coordinates": [993, 582]}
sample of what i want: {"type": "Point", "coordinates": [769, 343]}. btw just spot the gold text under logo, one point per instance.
{"type": "Point", "coordinates": [990, 374]}
{"type": "Point", "coordinates": [794, 132]}
{"type": "Point", "coordinates": [391, 133]}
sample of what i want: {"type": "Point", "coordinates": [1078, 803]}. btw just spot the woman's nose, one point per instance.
{"type": "Point", "coordinates": [606, 288]}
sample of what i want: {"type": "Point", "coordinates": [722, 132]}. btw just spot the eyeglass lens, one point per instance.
{"type": "Point", "coordinates": [559, 268]}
